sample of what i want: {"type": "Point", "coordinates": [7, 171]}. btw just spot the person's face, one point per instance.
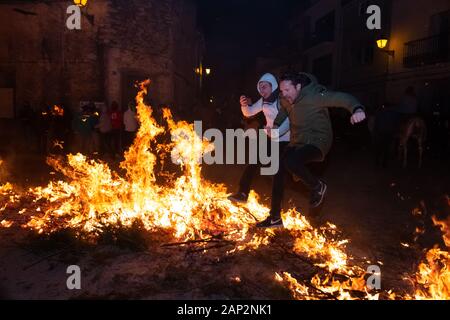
{"type": "Point", "coordinates": [265, 89]}
{"type": "Point", "coordinates": [289, 91]}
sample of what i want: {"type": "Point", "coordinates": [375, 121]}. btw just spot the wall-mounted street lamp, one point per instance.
{"type": "Point", "coordinates": [382, 44]}
{"type": "Point", "coordinates": [80, 3]}
{"type": "Point", "coordinates": [202, 71]}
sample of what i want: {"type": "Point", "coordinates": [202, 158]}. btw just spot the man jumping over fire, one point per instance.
{"type": "Point", "coordinates": [305, 103]}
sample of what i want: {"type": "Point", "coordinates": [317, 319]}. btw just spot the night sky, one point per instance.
{"type": "Point", "coordinates": [236, 32]}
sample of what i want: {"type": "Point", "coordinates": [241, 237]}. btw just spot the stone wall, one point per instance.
{"type": "Point", "coordinates": [120, 41]}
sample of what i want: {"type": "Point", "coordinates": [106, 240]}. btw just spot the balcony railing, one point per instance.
{"type": "Point", "coordinates": [427, 51]}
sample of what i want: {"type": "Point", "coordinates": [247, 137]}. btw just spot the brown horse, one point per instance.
{"type": "Point", "coordinates": [412, 128]}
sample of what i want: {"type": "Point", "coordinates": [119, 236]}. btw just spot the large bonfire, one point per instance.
{"type": "Point", "coordinates": [93, 197]}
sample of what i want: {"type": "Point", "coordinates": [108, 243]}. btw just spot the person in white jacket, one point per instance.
{"type": "Point", "coordinates": [131, 124]}
{"type": "Point", "coordinates": [269, 105]}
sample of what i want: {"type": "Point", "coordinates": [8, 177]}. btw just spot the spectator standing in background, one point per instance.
{"type": "Point", "coordinates": [116, 125]}
{"type": "Point", "coordinates": [131, 125]}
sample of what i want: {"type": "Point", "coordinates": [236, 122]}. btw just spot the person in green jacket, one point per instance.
{"type": "Point", "coordinates": [305, 103]}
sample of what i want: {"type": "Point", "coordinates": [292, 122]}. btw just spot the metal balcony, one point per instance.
{"type": "Point", "coordinates": [427, 51]}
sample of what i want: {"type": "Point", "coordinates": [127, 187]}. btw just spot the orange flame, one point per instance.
{"type": "Point", "coordinates": [433, 275]}
{"type": "Point", "coordinates": [188, 206]}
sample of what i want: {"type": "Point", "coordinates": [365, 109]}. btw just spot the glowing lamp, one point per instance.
{"type": "Point", "coordinates": [382, 43]}
{"type": "Point", "coordinates": [80, 3]}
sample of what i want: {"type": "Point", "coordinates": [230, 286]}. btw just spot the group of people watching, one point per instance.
{"type": "Point", "coordinates": [94, 129]}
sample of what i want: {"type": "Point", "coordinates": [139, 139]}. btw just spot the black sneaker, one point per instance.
{"type": "Point", "coordinates": [271, 222]}
{"type": "Point", "coordinates": [318, 195]}
{"type": "Point", "coordinates": [239, 197]}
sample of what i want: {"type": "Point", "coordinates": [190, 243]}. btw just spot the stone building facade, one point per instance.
{"type": "Point", "coordinates": [120, 41]}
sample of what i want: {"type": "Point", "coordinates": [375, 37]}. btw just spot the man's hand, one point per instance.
{"type": "Point", "coordinates": [245, 101]}
{"type": "Point", "coordinates": [358, 117]}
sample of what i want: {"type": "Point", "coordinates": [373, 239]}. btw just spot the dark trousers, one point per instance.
{"type": "Point", "coordinates": [252, 169]}
{"type": "Point", "coordinates": [115, 141]}
{"type": "Point", "coordinates": [294, 161]}
{"type": "Point", "coordinates": [105, 143]}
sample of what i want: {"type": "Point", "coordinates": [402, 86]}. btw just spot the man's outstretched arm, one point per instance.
{"type": "Point", "coordinates": [343, 100]}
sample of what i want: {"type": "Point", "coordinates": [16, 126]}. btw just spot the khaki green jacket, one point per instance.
{"type": "Point", "coordinates": [309, 118]}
